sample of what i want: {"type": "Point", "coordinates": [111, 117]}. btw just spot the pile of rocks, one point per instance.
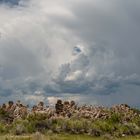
{"type": "Point", "coordinates": [59, 107]}
{"type": "Point", "coordinates": [68, 109]}
{"type": "Point", "coordinates": [11, 111]}
{"type": "Point", "coordinates": [126, 112]}
{"type": "Point", "coordinates": [92, 112]}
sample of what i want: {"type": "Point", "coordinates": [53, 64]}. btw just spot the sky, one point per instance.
{"type": "Point", "coordinates": [87, 51]}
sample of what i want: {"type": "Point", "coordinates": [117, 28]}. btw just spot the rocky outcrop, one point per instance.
{"type": "Point", "coordinates": [68, 109]}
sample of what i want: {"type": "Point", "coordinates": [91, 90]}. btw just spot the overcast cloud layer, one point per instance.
{"type": "Point", "coordinates": [87, 51]}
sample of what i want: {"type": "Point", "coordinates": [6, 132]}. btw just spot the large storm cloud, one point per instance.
{"type": "Point", "coordinates": [82, 50]}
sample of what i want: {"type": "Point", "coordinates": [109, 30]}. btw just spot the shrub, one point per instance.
{"type": "Point", "coordinates": [104, 126]}
{"type": "Point", "coordinates": [2, 128]}
{"type": "Point", "coordinates": [115, 118]}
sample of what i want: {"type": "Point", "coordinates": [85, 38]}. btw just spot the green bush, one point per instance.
{"type": "Point", "coordinates": [115, 118]}
{"type": "Point", "coordinates": [2, 128]}
{"type": "Point", "coordinates": [104, 126]}
{"type": "Point", "coordinates": [136, 120]}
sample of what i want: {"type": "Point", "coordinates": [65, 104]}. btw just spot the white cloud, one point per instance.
{"type": "Point", "coordinates": [52, 100]}
{"type": "Point", "coordinates": [33, 99]}
{"type": "Point", "coordinates": [74, 75]}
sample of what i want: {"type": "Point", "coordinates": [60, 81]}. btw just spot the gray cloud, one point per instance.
{"type": "Point", "coordinates": [88, 50]}
{"type": "Point", "coordinates": [12, 2]}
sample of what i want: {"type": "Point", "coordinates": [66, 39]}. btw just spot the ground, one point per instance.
{"type": "Point", "coordinates": [63, 137]}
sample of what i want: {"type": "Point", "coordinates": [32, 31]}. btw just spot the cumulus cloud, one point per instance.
{"type": "Point", "coordinates": [88, 50]}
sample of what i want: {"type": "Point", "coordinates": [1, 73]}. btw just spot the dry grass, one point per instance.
{"type": "Point", "coordinates": [38, 136]}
